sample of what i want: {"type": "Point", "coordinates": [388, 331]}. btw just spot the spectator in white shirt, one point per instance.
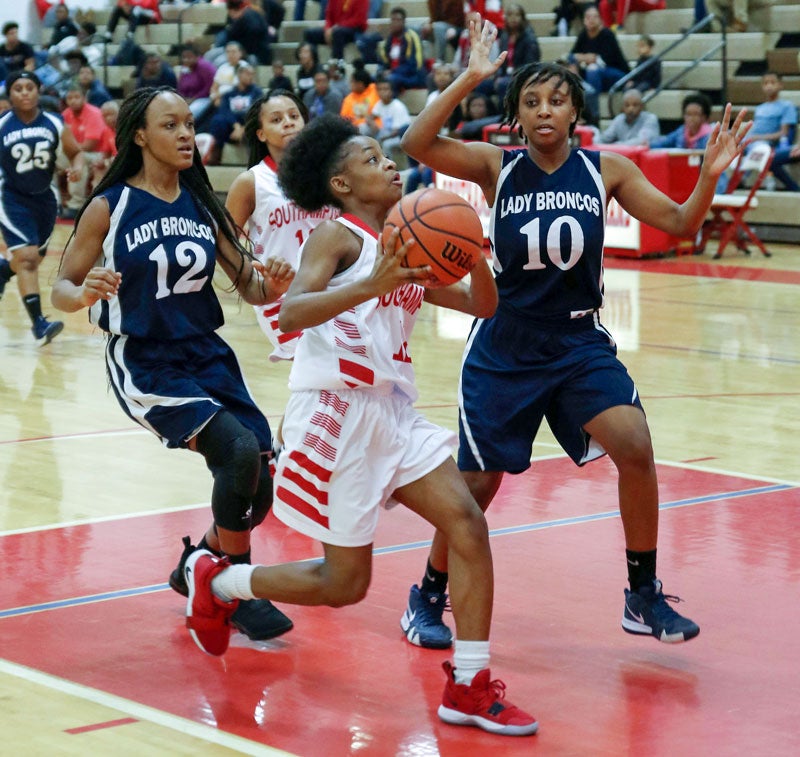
{"type": "Point", "coordinates": [388, 119]}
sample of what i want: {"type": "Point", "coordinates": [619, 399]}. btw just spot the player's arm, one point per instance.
{"type": "Point", "coordinates": [257, 283]}
{"type": "Point", "coordinates": [241, 199]}
{"type": "Point", "coordinates": [476, 161]}
{"type": "Point", "coordinates": [634, 192]}
{"type": "Point", "coordinates": [476, 295]}
{"type": "Point", "coordinates": [332, 248]}
{"type": "Point", "coordinates": [81, 282]}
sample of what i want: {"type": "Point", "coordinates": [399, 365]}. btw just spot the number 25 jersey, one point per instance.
{"type": "Point", "coordinates": [166, 253]}
{"type": "Point", "coordinates": [546, 232]}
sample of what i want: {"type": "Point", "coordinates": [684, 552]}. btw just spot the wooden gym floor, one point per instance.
{"type": "Point", "coordinates": [94, 658]}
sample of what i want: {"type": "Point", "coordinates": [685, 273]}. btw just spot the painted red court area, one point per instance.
{"type": "Point", "coordinates": [345, 682]}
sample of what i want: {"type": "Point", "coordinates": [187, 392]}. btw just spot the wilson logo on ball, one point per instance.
{"type": "Point", "coordinates": [462, 260]}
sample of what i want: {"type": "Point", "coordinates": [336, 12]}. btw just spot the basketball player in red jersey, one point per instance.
{"type": "Point", "coordinates": [353, 441]}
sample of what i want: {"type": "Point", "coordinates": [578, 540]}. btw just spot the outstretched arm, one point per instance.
{"type": "Point", "coordinates": [643, 201]}
{"type": "Point", "coordinates": [477, 161]}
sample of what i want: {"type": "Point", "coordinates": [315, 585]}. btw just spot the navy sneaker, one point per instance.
{"type": "Point", "coordinates": [45, 331]}
{"type": "Point", "coordinates": [258, 619]}
{"type": "Point", "coordinates": [422, 621]}
{"type": "Point", "coordinates": [647, 611]}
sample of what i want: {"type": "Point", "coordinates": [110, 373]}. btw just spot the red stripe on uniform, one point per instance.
{"type": "Point", "coordinates": [306, 463]}
{"type": "Point", "coordinates": [292, 475]}
{"type": "Point", "coordinates": [360, 372]}
{"type": "Point", "coordinates": [283, 338]}
{"type": "Point", "coordinates": [293, 501]}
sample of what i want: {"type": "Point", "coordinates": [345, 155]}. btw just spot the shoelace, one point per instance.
{"type": "Point", "coordinates": [495, 691]}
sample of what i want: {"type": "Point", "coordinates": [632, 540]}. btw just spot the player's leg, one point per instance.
{"type": "Point", "coordinates": [470, 697]}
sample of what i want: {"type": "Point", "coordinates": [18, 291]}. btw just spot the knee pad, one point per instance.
{"type": "Point", "coordinates": [233, 457]}
{"type": "Point", "coordinates": [262, 499]}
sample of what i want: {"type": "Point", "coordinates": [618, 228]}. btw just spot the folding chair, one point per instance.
{"type": "Point", "coordinates": [728, 210]}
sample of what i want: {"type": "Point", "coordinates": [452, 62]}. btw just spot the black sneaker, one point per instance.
{"type": "Point", "coordinates": [5, 274]}
{"type": "Point", "coordinates": [177, 581]}
{"type": "Point", "coordinates": [45, 331]}
{"type": "Point", "coordinates": [259, 620]}
{"type": "Point", "coordinates": [647, 611]}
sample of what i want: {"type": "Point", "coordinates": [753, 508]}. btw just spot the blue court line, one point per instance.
{"type": "Point", "coordinates": [78, 601]}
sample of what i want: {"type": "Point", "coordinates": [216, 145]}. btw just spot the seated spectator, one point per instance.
{"type": "Point", "coordinates": [279, 79]}
{"type": "Point", "coordinates": [614, 12]}
{"type": "Point", "coordinates": [300, 9]}
{"type": "Point", "coordinates": [362, 97]}
{"type": "Point", "coordinates": [591, 97]}
{"type": "Point", "coordinates": [63, 28]}
{"type": "Point", "coordinates": [597, 53]}
{"type": "Point", "coordinates": [337, 74]}
{"type": "Point", "coordinates": [693, 134]}
{"type": "Point", "coordinates": [195, 80]}
{"type": "Point", "coordinates": [107, 148]}
{"type": "Point", "coordinates": [87, 125]}
{"type": "Point", "coordinates": [388, 119]}
{"type": "Point", "coordinates": [308, 65]}
{"type": "Point", "coordinates": [94, 91]}
{"type": "Point", "coordinates": [650, 78]}
{"type": "Point", "coordinates": [568, 13]}
{"type": "Point", "coordinates": [400, 54]}
{"type": "Point", "coordinates": [225, 77]}
{"type": "Point", "coordinates": [248, 27]}
{"type": "Point", "coordinates": [136, 12]}
{"type": "Point", "coordinates": [322, 99]}
{"type": "Point", "coordinates": [15, 54]}
{"type": "Point", "coordinates": [444, 25]}
{"type": "Point", "coordinates": [274, 13]}
{"type": "Point", "coordinates": [480, 111]}
{"type": "Point", "coordinates": [156, 72]}
{"type": "Point", "coordinates": [88, 46]}
{"type": "Point", "coordinates": [345, 21]}
{"type": "Point", "coordinates": [227, 124]}
{"type": "Point", "coordinates": [519, 40]}
{"type": "Point", "coordinates": [774, 119]}
{"type": "Point", "coordinates": [634, 126]}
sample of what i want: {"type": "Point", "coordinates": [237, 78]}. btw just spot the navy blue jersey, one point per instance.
{"type": "Point", "coordinates": [28, 152]}
{"type": "Point", "coordinates": [546, 234]}
{"type": "Point", "coordinates": [166, 253]}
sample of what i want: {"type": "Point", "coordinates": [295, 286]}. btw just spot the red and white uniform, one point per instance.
{"type": "Point", "coordinates": [278, 228]}
{"type": "Point", "coordinates": [351, 433]}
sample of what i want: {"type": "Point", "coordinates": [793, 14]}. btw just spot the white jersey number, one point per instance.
{"type": "Point", "coordinates": [554, 251]}
{"type": "Point", "coordinates": [187, 255]}
{"type": "Point", "coordinates": [28, 159]}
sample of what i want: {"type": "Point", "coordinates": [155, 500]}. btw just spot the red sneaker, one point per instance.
{"type": "Point", "coordinates": [206, 614]}
{"type": "Point", "coordinates": [481, 704]}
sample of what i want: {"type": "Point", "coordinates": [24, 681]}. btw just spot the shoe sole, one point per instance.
{"type": "Point", "coordinates": [454, 717]}
{"type": "Point", "coordinates": [631, 626]}
{"type": "Point", "coordinates": [51, 334]}
{"type": "Point", "coordinates": [413, 638]}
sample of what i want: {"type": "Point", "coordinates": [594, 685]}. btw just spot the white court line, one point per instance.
{"type": "Point", "coordinates": [142, 712]}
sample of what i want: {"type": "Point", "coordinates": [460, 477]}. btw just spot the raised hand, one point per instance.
{"type": "Point", "coordinates": [726, 141]}
{"type": "Point", "coordinates": [481, 39]}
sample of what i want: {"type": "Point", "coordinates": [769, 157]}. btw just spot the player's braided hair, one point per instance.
{"type": "Point", "coordinates": [258, 150]}
{"type": "Point", "coordinates": [312, 158]}
{"type": "Point", "coordinates": [536, 73]}
{"type": "Point", "coordinates": [128, 161]}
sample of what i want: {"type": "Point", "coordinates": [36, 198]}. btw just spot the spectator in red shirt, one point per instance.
{"type": "Point", "coordinates": [87, 125]}
{"type": "Point", "coordinates": [137, 12]}
{"type": "Point", "coordinates": [345, 22]}
{"type": "Point", "coordinates": [490, 10]}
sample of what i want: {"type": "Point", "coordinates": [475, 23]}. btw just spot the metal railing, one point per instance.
{"type": "Point", "coordinates": [704, 23]}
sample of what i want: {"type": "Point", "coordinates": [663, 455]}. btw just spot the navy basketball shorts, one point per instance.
{"type": "Point", "coordinates": [173, 388]}
{"type": "Point", "coordinates": [27, 221]}
{"type": "Point", "coordinates": [515, 373]}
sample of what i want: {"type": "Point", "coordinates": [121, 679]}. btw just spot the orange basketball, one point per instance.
{"type": "Point", "coordinates": [446, 229]}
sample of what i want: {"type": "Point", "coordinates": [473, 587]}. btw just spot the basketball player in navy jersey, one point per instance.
{"type": "Point", "coordinates": [545, 354]}
{"type": "Point", "coordinates": [29, 141]}
{"type": "Point", "coordinates": [142, 259]}
{"type": "Point", "coordinates": [354, 443]}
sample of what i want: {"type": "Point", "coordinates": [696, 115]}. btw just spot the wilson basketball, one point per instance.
{"type": "Point", "coordinates": [446, 229]}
